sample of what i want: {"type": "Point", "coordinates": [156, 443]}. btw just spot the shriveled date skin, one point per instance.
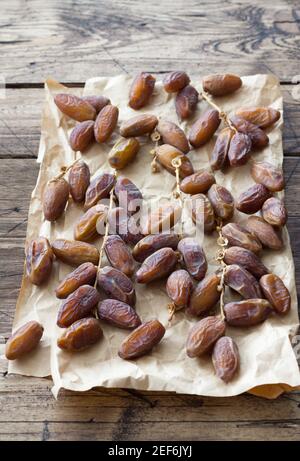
{"type": "Point", "coordinates": [203, 213]}
{"type": "Point", "coordinates": [179, 287]}
{"type": "Point", "coordinates": [194, 257]}
{"type": "Point", "coordinates": [239, 149]}
{"type": "Point", "coordinates": [82, 135]}
{"type": "Point", "coordinates": [118, 314]}
{"type": "Point", "coordinates": [248, 312]}
{"type": "Point", "coordinates": [260, 116]}
{"type": "Point", "coordinates": [79, 180]}
{"type": "Point", "coordinates": [219, 156]}
{"type": "Point", "coordinates": [116, 285]}
{"type": "Point", "coordinates": [123, 152]}
{"type": "Point", "coordinates": [274, 212]}
{"type": "Point", "coordinates": [222, 201]}
{"type": "Point", "coordinates": [97, 101]}
{"type": "Point", "coordinates": [173, 135]}
{"type": "Point", "coordinates": [240, 280]}
{"type": "Point", "coordinates": [141, 90]}
{"type": "Point", "coordinates": [81, 335]}
{"type": "Point", "coordinates": [156, 266]}
{"type": "Point", "coordinates": [138, 125]}
{"type": "Point", "coordinates": [239, 236]}
{"type": "Point", "coordinates": [247, 259]}
{"type": "Point", "coordinates": [39, 259]}
{"type": "Point", "coordinates": [204, 128]}
{"type": "Point", "coordinates": [23, 340]}
{"type": "Point", "coordinates": [197, 183]}
{"type": "Point", "coordinates": [142, 340]}
{"type": "Point", "coordinates": [251, 200]}
{"type": "Point", "coordinates": [221, 84]}
{"type": "Point", "coordinates": [98, 189]}
{"type": "Point", "coordinates": [77, 305]}
{"type": "Point", "coordinates": [269, 175]}
{"type": "Point", "coordinates": [128, 194]}
{"type": "Point", "coordinates": [186, 102]}
{"type": "Point", "coordinates": [119, 255]}
{"type": "Point", "coordinates": [162, 219]}
{"type": "Point", "coordinates": [175, 81]}
{"type": "Point", "coordinates": [258, 137]}
{"type": "Point", "coordinates": [75, 107]}
{"type": "Point", "coordinates": [74, 252]}
{"type": "Point", "coordinates": [225, 358]}
{"type": "Point", "coordinates": [127, 227]}
{"type": "Point", "coordinates": [91, 224]}
{"type": "Point", "coordinates": [167, 153]}
{"type": "Point", "coordinates": [85, 274]}
{"type": "Point", "coordinates": [203, 335]}
{"type": "Point", "coordinates": [276, 293]}
{"type": "Point", "coordinates": [151, 243]}
{"type": "Point", "coordinates": [205, 295]}
{"type": "Point", "coordinates": [268, 236]}
{"type": "Point", "coordinates": [105, 123]}
{"type": "Point", "coordinates": [55, 198]}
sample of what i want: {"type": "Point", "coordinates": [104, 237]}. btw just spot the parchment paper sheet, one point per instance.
{"type": "Point", "coordinates": [266, 353]}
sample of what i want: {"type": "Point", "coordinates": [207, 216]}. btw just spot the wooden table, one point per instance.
{"type": "Point", "coordinates": [73, 41]}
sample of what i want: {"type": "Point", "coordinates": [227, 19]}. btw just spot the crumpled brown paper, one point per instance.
{"type": "Point", "coordinates": [267, 357]}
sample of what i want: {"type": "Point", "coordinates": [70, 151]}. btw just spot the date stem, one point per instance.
{"type": "Point", "coordinates": [155, 137]}
{"type": "Point", "coordinates": [64, 170]}
{"type": "Point", "coordinates": [222, 243]}
{"type": "Point", "coordinates": [176, 163]}
{"type": "Point", "coordinates": [222, 113]}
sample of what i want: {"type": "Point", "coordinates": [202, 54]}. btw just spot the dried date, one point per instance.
{"type": "Point", "coordinates": [116, 285]}
{"type": "Point", "coordinates": [23, 340]}
{"type": "Point", "coordinates": [85, 274]}
{"type": "Point", "coordinates": [197, 183]}
{"type": "Point", "coordinates": [55, 198]}
{"type": "Point", "coordinates": [276, 293]}
{"type": "Point", "coordinates": [267, 174]}
{"type": "Point", "coordinates": [240, 280]}
{"type": "Point", "coordinates": [75, 107]}
{"type": "Point", "coordinates": [156, 266]}
{"type": "Point", "coordinates": [166, 153]}
{"type": "Point", "coordinates": [173, 135]}
{"type": "Point", "coordinates": [118, 314]}
{"type": "Point", "coordinates": [141, 90]}
{"type": "Point", "coordinates": [221, 84]}
{"type": "Point", "coordinates": [251, 200]}
{"type": "Point", "coordinates": [77, 305]}
{"type": "Point", "coordinates": [142, 340]}
{"type": "Point", "coordinates": [267, 235]}
{"type": "Point", "coordinates": [179, 287]}
{"type": "Point", "coordinates": [204, 128]}
{"type": "Point", "coordinates": [119, 255]}
{"type": "Point", "coordinates": [186, 102]}
{"type": "Point", "coordinates": [79, 180]}
{"type": "Point", "coordinates": [222, 201]}
{"type": "Point", "coordinates": [74, 252]}
{"type": "Point", "coordinates": [98, 189]}
{"type": "Point", "coordinates": [247, 313]}
{"type": "Point", "coordinates": [175, 81]}
{"type": "Point", "coordinates": [105, 123]}
{"type": "Point", "coordinates": [193, 257]}
{"type": "Point", "coordinates": [39, 259]}
{"type": "Point", "coordinates": [239, 236]}
{"type": "Point", "coordinates": [205, 295]}
{"type": "Point", "coordinates": [203, 335]}
{"type": "Point", "coordinates": [274, 212]}
{"type": "Point", "coordinates": [81, 335]}
{"type": "Point", "coordinates": [151, 243]}
{"type": "Point", "coordinates": [247, 259]}
{"type": "Point", "coordinates": [138, 126]}
{"type": "Point", "coordinates": [225, 358]}
{"type": "Point", "coordinates": [82, 135]}
{"type": "Point", "coordinates": [91, 224]}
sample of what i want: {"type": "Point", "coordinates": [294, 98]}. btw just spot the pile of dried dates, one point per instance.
{"type": "Point", "coordinates": [142, 251]}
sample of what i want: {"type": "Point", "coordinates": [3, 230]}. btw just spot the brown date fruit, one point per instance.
{"type": "Point", "coordinates": [193, 257]}
{"type": "Point", "coordinates": [239, 149]}
{"type": "Point", "coordinates": [75, 107]}
{"type": "Point", "coordinates": [128, 194]}
{"type": "Point", "coordinates": [225, 358]}
{"type": "Point", "coordinates": [203, 213]}
{"type": "Point", "coordinates": [251, 200]}
{"type": "Point", "coordinates": [274, 212]}
{"type": "Point", "coordinates": [116, 285]}
{"type": "Point", "coordinates": [74, 252]}
{"type": "Point", "coordinates": [258, 137]}
{"type": "Point", "coordinates": [269, 175]}
{"type": "Point", "coordinates": [77, 305]}
{"type": "Point", "coordinates": [197, 183]}
{"type": "Point", "coordinates": [80, 335]}
{"type": "Point", "coordinates": [260, 116]}
{"type": "Point", "coordinates": [203, 335]}
{"type": "Point", "coordinates": [156, 266]}
{"type": "Point", "coordinates": [85, 274]}
{"type": "Point", "coordinates": [98, 102]}
{"type": "Point", "coordinates": [219, 156]}
{"type": "Point", "coordinates": [141, 90]}
{"type": "Point", "coordinates": [118, 314]}
{"type": "Point", "coordinates": [119, 255]}
{"type": "Point", "coordinates": [167, 153]}
{"type": "Point", "coordinates": [142, 340]}
{"type": "Point", "coordinates": [39, 259]}
{"type": "Point", "coordinates": [186, 102]}
{"type": "Point", "coordinates": [175, 81]}
{"type": "Point", "coordinates": [204, 128]}
{"type": "Point", "coordinates": [23, 340]}
{"type": "Point", "coordinates": [123, 152]}
{"type": "Point", "coordinates": [151, 243]}
{"type": "Point", "coordinates": [240, 280]}
{"type": "Point", "coordinates": [221, 84]}
{"type": "Point", "coordinates": [276, 293]}
{"type": "Point", "coordinates": [98, 189]}
{"type": "Point", "coordinates": [138, 125]}
{"type": "Point", "coordinates": [162, 219]}
{"type": "Point", "coordinates": [82, 135]}
{"type": "Point", "coordinates": [179, 287]}
{"type": "Point", "coordinates": [248, 312]}
{"type": "Point", "coordinates": [79, 180]}
{"type": "Point", "coordinates": [239, 236]}
{"type": "Point", "coordinates": [173, 135]}
{"type": "Point", "coordinates": [127, 227]}
{"type": "Point", "coordinates": [205, 295]}
{"type": "Point", "coordinates": [91, 224]}
{"type": "Point", "coordinates": [105, 123]}
{"type": "Point", "coordinates": [55, 198]}
{"type": "Point", "coordinates": [222, 201]}
{"type": "Point", "coordinates": [246, 259]}
{"type": "Point", "coordinates": [267, 235]}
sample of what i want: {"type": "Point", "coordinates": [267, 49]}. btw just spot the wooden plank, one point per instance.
{"type": "Point", "coordinates": [124, 36]}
